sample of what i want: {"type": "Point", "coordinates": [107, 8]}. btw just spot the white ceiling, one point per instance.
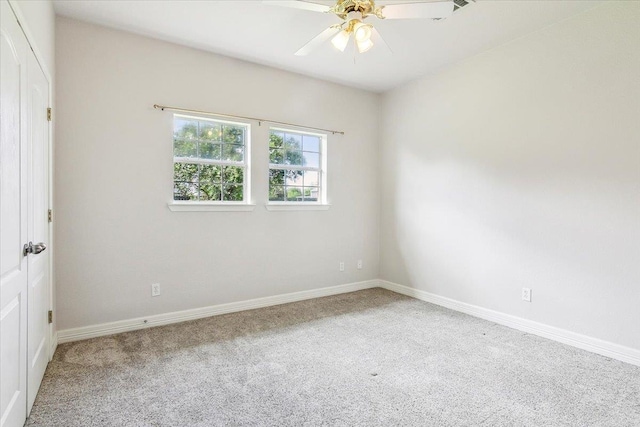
{"type": "Point", "coordinates": [269, 35]}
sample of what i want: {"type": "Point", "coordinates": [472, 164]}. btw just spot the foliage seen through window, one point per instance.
{"type": "Point", "coordinates": [209, 160]}
{"type": "Point", "coordinates": [295, 169]}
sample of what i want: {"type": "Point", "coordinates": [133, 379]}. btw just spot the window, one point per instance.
{"type": "Point", "coordinates": [297, 167]}
{"type": "Point", "coordinates": [210, 160]}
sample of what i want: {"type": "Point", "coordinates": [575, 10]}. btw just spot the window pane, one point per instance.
{"type": "Point", "coordinates": [213, 142]}
{"type": "Point", "coordinates": [210, 151]}
{"type": "Point", "coordinates": [311, 143]}
{"type": "Point", "coordinates": [311, 194]}
{"type": "Point", "coordinates": [294, 158]}
{"type": "Point", "coordinates": [276, 177]}
{"type": "Point", "coordinates": [232, 193]}
{"type": "Point", "coordinates": [295, 151]}
{"type": "Point", "coordinates": [292, 141]}
{"type": "Point", "coordinates": [276, 157]}
{"type": "Point", "coordinates": [185, 128]}
{"type": "Point", "coordinates": [293, 177]}
{"type": "Point", "coordinates": [185, 148]}
{"type": "Point", "coordinates": [311, 160]}
{"type": "Point", "coordinates": [276, 193]}
{"type": "Point", "coordinates": [276, 181]}
{"type": "Point", "coordinates": [311, 179]}
{"type": "Point", "coordinates": [186, 172]}
{"type": "Point", "coordinates": [185, 191]}
{"type": "Point", "coordinates": [232, 152]}
{"type": "Point", "coordinates": [210, 192]}
{"type": "Point", "coordinates": [232, 175]}
{"type": "Point", "coordinates": [210, 131]}
{"type": "Point", "coordinates": [294, 194]}
{"type": "Point", "coordinates": [276, 139]}
{"type": "Point", "coordinates": [210, 174]}
{"type": "Point", "coordinates": [232, 134]}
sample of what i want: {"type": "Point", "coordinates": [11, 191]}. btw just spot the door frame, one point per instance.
{"type": "Point", "coordinates": [24, 25]}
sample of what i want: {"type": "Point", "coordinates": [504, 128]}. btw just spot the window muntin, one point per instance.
{"type": "Point", "coordinates": [210, 160]}
{"type": "Point", "coordinates": [296, 167]}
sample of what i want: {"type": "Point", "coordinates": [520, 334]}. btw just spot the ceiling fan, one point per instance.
{"type": "Point", "coordinates": [354, 12]}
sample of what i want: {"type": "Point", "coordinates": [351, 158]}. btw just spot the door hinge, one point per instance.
{"type": "Point", "coordinates": [49, 114]}
{"type": "Point", "coordinates": [50, 215]}
{"type": "Point", "coordinates": [50, 314]}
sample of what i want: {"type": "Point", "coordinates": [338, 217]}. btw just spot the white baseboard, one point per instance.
{"type": "Point", "coordinates": [605, 348]}
{"type": "Point", "coordinates": [93, 331]}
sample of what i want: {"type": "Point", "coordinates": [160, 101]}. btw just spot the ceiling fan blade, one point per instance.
{"type": "Point", "coordinates": [376, 36]}
{"type": "Point", "coordinates": [428, 10]}
{"type": "Point", "coordinates": [318, 40]}
{"type": "Point", "coordinates": [305, 5]}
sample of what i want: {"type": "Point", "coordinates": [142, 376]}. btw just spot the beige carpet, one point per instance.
{"type": "Point", "coordinates": [369, 358]}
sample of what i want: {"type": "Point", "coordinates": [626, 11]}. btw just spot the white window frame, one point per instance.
{"type": "Point", "coordinates": [214, 205]}
{"type": "Point", "coordinates": [322, 203]}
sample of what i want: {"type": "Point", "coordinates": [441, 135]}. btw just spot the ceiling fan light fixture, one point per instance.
{"type": "Point", "coordinates": [362, 32]}
{"type": "Point", "coordinates": [340, 40]}
{"type": "Point", "coordinates": [364, 45]}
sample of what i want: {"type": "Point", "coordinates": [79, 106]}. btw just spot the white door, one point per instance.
{"type": "Point", "coordinates": [13, 222]}
{"type": "Point", "coordinates": [38, 227]}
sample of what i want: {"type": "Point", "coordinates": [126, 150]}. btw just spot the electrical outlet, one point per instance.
{"type": "Point", "coordinates": [526, 294]}
{"type": "Point", "coordinates": [155, 290]}
{"type": "Point", "coordinates": [359, 264]}
{"type": "Point", "coordinates": [341, 266]}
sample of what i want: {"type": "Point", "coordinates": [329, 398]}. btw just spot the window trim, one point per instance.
{"type": "Point", "coordinates": [213, 205]}
{"type": "Point", "coordinates": [196, 206]}
{"type": "Point", "coordinates": [320, 205]}
{"type": "Point", "coordinates": [296, 206]}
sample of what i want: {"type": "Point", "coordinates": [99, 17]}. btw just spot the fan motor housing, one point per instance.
{"type": "Point", "coordinates": [364, 7]}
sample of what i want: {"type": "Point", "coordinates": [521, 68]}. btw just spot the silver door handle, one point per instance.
{"type": "Point", "coordinates": [30, 248]}
{"type": "Point", "coordinates": [39, 247]}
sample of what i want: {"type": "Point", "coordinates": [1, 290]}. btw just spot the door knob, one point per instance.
{"type": "Point", "coordinates": [30, 248]}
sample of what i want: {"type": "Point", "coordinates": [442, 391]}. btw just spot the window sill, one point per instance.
{"type": "Point", "coordinates": [296, 207]}
{"type": "Point", "coordinates": [209, 207]}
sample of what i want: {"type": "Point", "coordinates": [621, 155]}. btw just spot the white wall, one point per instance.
{"type": "Point", "coordinates": [116, 235]}
{"type": "Point", "coordinates": [520, 167]}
